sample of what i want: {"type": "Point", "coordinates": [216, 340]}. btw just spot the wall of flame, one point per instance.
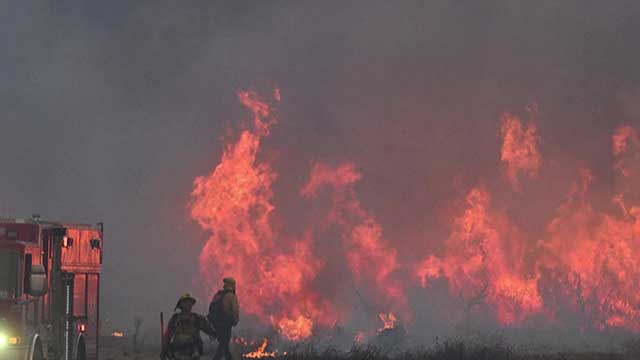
{"type": "Point", "coordinates": [586, 260]}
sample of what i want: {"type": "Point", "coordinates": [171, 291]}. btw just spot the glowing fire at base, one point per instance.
{"type": "Point", "coordinates": [261, 353]}
{"type": "Point", "coordinates": [389, 322]}
{"type": "Point", "coordinates": [117, 334]}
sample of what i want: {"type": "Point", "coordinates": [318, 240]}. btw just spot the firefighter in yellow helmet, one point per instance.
{"type": "Point", "coordinates": [182, 339]}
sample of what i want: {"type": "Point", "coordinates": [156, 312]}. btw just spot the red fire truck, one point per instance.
{"type": "Point", "coordinates": [49, 290]}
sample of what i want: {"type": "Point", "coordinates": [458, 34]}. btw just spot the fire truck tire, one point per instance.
{"type": "Point", "coordinates": [37, 353]}
{"type": "Point", "coordinates": [81, 351]}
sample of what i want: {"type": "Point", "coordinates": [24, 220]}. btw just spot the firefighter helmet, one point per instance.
{"type": "Point", "coordinates": [185, 297]}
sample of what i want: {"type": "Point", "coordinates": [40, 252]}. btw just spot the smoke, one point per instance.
{"type": "Point", "coordinates": [110, 110]}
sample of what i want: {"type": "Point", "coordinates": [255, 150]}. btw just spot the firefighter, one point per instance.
{"type": "Point", "coordinates": [224, 314]}
{"type": "Point", "coordinates": [182, 339]}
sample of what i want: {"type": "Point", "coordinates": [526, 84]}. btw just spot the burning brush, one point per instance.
{"type": "Point", "coordinates": [261, 352]}
{"type": "Point", "coordinates": [585, 257]}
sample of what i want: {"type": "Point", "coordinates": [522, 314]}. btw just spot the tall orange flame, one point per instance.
{"type": "Point", "coordinates": [587, 257]}
{"type": "Point", "coordinates": [484, 261]}
{"type": "Point", "coordinates": [370, 257]}
{"type": "Point", "coordinates": [235, 203]}
{"type": "Point", "coordinates": [597, 256]}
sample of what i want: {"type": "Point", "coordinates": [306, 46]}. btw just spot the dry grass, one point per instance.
{"type": "Point", "coordinates": [450, 349]}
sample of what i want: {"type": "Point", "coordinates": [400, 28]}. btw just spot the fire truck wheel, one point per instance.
{"type": "Point", "coordinates": [37, 351]}
{"type": "Point", "coordinates": [81, 352]}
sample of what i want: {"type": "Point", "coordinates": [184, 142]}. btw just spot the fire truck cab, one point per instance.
{"type": "Point", "coordinates": [49, 290]}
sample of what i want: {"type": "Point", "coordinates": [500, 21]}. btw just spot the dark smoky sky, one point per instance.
{"type": "Point", "coordinates": [110, 109]}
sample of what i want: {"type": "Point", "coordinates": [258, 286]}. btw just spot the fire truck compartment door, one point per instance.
{"type": "Point", "coordinates": [38, 281]}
